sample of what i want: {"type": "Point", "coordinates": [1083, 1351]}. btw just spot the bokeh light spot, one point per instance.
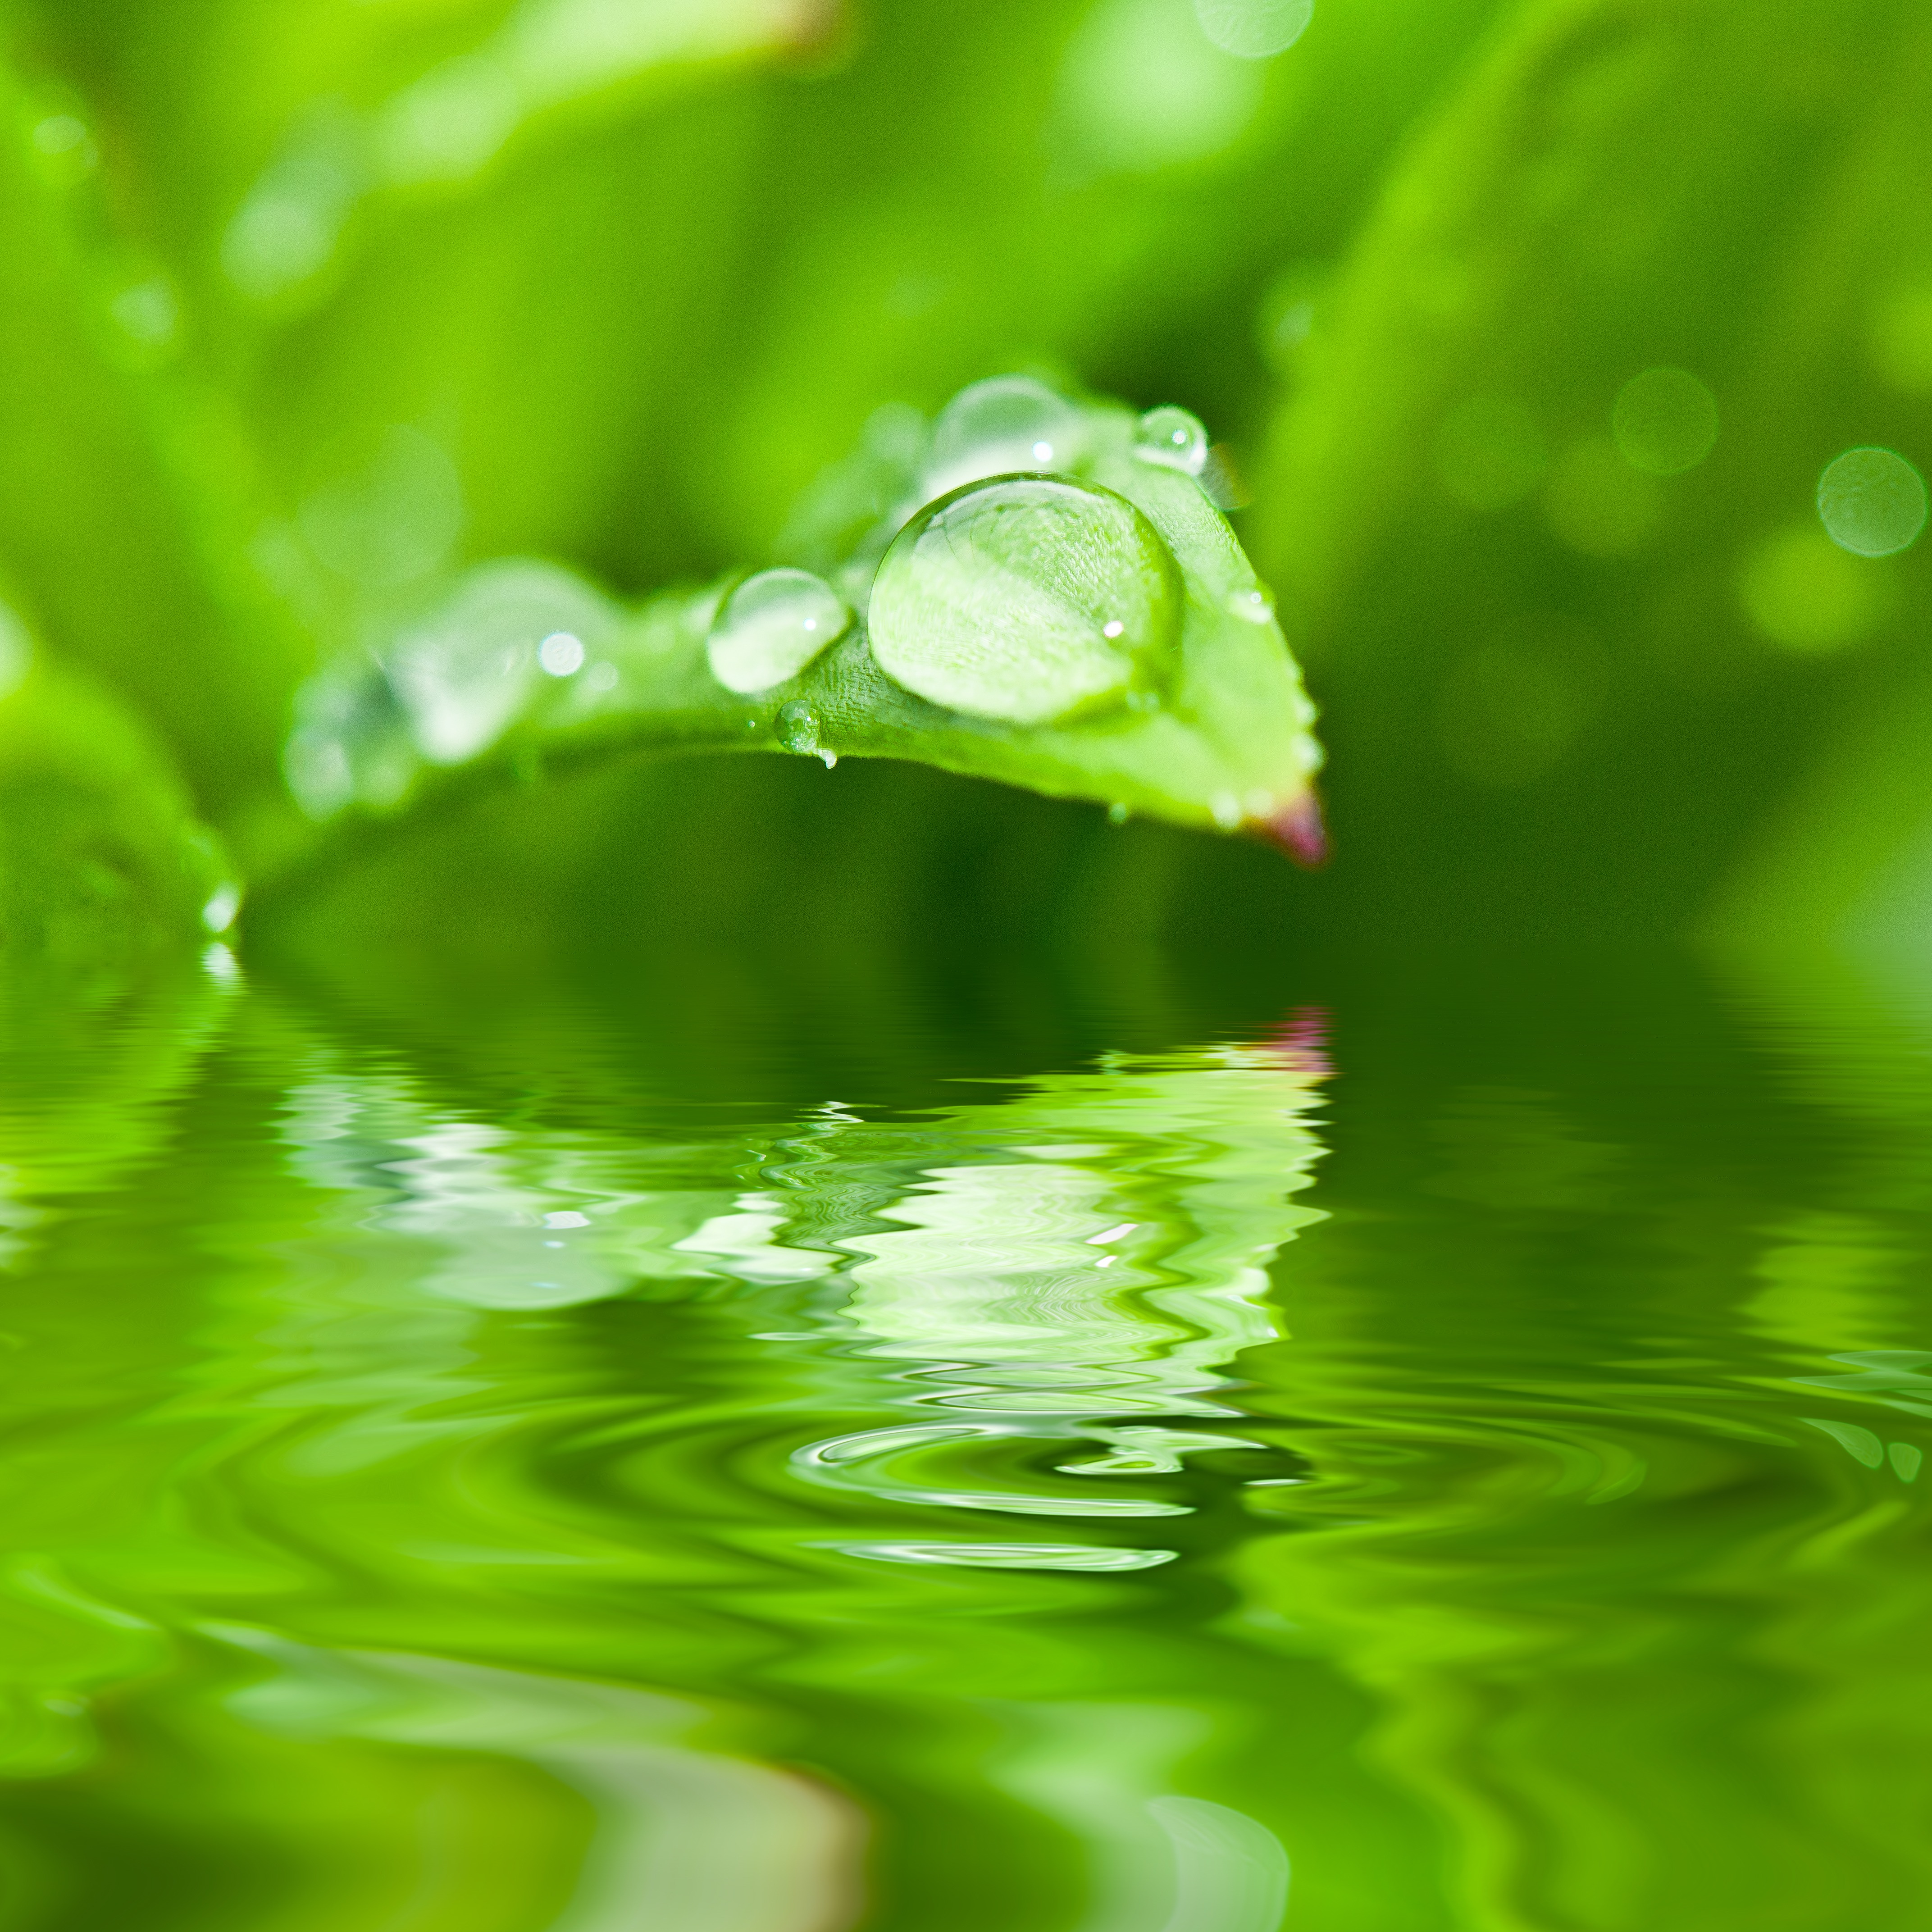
{"type": "Point", "coordinates": [1665, 421]}
{"type": "Point", "coordinates": [1254, 29]}
{"type": "Point", "coordinates": [17, 653]}
{"type": "Point", "coordinates": [1899, 338]}
{"type": "Point", "coordinates": [382, 505]}
{"type": "Point", "coordinates": [1142, 89]}
{"type": "Point", "coordinates": [1488, 452]}
{"type": "Point", "coordinates": [1872, 502]}
{"type": "Point", "coordinates": [561, 654]}
{"type": "Point", "coordinates": [1801, 591]}
{"type": "Point", "coordinates": [1596, 503]}
{"type": "Point", "coordinates": [1510, 710]}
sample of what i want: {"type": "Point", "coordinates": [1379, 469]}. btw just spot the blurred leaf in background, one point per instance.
{"type": "Point", "coordinates": [1571, 352]}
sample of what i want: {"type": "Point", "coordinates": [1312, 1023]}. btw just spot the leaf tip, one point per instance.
{"type": "Point", "coordinates": [1298, 829]}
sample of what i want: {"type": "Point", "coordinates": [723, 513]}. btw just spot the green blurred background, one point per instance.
{"type": "Point", "coordinates": [633, 275]}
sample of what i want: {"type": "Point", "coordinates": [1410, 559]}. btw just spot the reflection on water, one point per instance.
{"type": "Point", "coordinates": [434, 1500]}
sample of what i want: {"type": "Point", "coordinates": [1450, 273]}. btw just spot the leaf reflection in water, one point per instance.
{"type": "Point", "coordinates": [433, 1479]}
{"type": "Point", "coordinates": [1100, 1258]}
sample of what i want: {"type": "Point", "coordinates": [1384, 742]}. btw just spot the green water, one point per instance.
{"type": "Point", "coordinates": [532, 1474]}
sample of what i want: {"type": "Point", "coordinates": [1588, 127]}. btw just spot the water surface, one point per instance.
{"type": "Point", "coordinates": [1416, 1462]}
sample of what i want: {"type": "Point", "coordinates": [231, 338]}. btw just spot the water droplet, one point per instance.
{"type": "Point", "coordinates": [1665, 421]}
{"type": "Point", "coordinates": [1174, 438]}
{"type": "Point", "coordinates": [997, 600]}
{"type": "Point", "coordinates": [1253, 605]}
{"type": "Point", "coordinates": [771, 627]}
{"type": "Point", "coordinates": [223, 903]}
{"type": "Point", "coordinates": [1117, 813]}
{"type": "Point", "coordinates": [829, 759]}
{"type": "Point", "coordinates": [798, 728]}
{"type": "Point", "coordinates": [1872, 501]}
{"type": "Point", "coordinates": [992, 428]}
{"type": "Point", "coordinates": [467, 671]}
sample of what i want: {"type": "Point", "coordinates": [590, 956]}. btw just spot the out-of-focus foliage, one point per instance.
{"type": "Point", "coordinates": [1533, 331]}
{"type": "Point", "coordinates": [354, 297]}
{"type": "Point", "coordinates": [99, 853]}
{"type": "Point", "coordinates": [1562, 467]}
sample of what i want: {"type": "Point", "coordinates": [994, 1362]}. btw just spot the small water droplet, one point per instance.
{"type": "Point", "coordinates": [1117, 813]}
{"type": "Point", "coordinates": [1174, 438]}
{"type": "Point", "coordinates": [996, 600]}
{"type": "Point", "coordinates": [829, 759]}
{"type": "Point", "coordinates": [992, 428]}
{"type": "Point", "coordinates": [798, 728]}
{"type": "Point", "coordinates": [771, 627]}
{"type": "Point", "coordinates": [1254, 606]}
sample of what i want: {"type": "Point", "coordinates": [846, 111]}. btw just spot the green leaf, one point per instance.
{"type": "Point", "coordinates": [1051, 600]}
{"type": "Point", "coordinates": [100, 854]}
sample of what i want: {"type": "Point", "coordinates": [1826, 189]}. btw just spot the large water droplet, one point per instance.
{"type": "Point", "coordinates": [771, 627]}
{"type": "Point", "coordinates": [1027, 599]}
{"type": "Point", "coordinates": [1173, 437]}
{"type": "Point", "coordinates": [993, 428]}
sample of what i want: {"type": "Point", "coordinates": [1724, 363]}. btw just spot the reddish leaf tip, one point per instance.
{"type": "Point", "coordinates": [1298, 830]}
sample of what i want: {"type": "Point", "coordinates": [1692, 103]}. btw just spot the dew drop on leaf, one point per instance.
{"type": "Point", "coordinates": [798, 728]}
{"type": "Point", "coordinates": [1173, 437]}
{"type": "Point", "coordinates": [1003, 601]}
{"type": "Point", "coordinates": [771, 627]}
{"type": "Point", "coordinates": [994, 428]}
